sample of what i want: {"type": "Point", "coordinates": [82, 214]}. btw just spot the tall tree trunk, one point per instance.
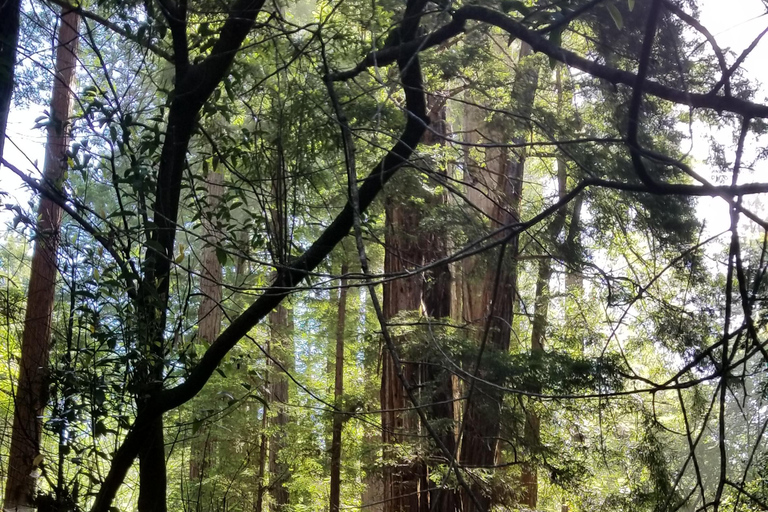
{"type": "Point", "coordinates": [281, 340]}
{"type": "Point", "coordinates": [281, 348]}
{"type": "Point", "coordinates": [407, 483]}
{"type": "Point", "coordinates": [260, 487]}
{"type": "Point", "coordinates": [401, 485]}
{"type": "Point", "coordinates": [338, 392]}
{"type": "Point", "coordinates": [436, 300]}
{"type": "Point", "coordinates": [9, 40]}
{"type": "Point", "coordinates": [498, 195]}
{"type": "Point", "coordinates": [31, 392]}
{"type": "Point", "coordinates": [209, 314]}
{"type": "Point", "coordinates": [502, 180]}
{"type": "Point", "coordinates": [532, 427]}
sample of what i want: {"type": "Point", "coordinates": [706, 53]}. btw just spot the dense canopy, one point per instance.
{"type": "Point", "coordinates": [411, 255]}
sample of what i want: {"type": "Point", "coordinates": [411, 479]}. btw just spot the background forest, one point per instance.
{"type": "Point", "coordinates": [384, 255]}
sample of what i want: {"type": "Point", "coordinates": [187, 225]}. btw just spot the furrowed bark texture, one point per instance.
{"type": "Point", "coordinates": [32, 389]}
{"type": "Point", "coordinates": [437, 298]}
{"type": "Point", "coordinates": [498, 194]}
{"type": "Point", "coordinates": [401, 476]}
{"type": "Point", "coordinates": [408, 244]}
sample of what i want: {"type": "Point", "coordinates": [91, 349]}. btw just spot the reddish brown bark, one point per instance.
{"type": "Point", "coordinates": [281, 349]}
{"type": "Point", "coordinates": [31, 391]}
{"type": "Point", "coordinates": [209, 314]}
{"type": "Point", "coordinates": [338, 392]}
{"type": "Point", "coordinates": [401, 483]}
{"type": "Point", "coordinates": [406, 482]}
{"type": "Point", "coordinates": [497, 193]}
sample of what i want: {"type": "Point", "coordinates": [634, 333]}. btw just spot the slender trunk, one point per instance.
{"type": "Point", "coordinates": [31, 392]}
{"type": "Point", "coordinates": [573, 277]}
{"type": "Point", "coordinates": [9, 39]}
{"type": "Point", "coordinates": [338, 392]}
{"type": "Point", "coordinates": [260, 487]}
{"type": "Point", "coordinates": [152, 475]}
{"type": "Point", "coordinates": [282, 350]}
{"type": "Point", "coordinates": [281, 338]}
{"type": "Point", "coordinates": [532, 428]}
{"type": "Point", "coordinates": [209, 316]}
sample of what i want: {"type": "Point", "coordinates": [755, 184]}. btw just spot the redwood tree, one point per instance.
{"type": "Point", "coordinates": [31, 391]}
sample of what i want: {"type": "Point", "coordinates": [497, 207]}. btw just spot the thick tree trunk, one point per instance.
{"type": "Point", "coordinates": [407, 485]}
{"type": "Point", "coordinates": [401, 484]}
{"type": "Point", "coordinates": [9, 39]}
{"type": "Point", "coordinates": [502, 181]}
{"type": "Point", "coordinates": [338, 392]}
{"type": "Point", "coordinates": [437, 298]}
{"type": "Point", "coordinates": [497, 193]}
{"type": "Point", "coordinates": [31, 392]}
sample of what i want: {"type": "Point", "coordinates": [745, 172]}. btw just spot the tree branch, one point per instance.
{"type": "Point", "coordinates": [541, 44]}
{"type": "Point", "coordinates": [117, 29]}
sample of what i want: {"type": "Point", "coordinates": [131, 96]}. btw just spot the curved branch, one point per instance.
{"type": "Point", "coordinates": [285, 282]}
{"type": "Point", "coordinates": [541, 44]}
{"type": "Point", "coordinates": [114, 27]}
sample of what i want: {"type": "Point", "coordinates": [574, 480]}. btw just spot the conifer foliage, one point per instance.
{"type": "Point", "coordinates": [390, 256]}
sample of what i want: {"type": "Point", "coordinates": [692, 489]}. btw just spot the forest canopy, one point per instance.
{"type": "Point", "coordinates": [390, 256]}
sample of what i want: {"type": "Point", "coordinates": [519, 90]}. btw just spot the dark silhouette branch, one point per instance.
{"type": "Point", "coordinates": [541, 44]}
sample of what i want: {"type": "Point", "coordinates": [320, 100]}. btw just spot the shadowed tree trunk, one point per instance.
{"type": "Point", "coordinates": [436, 300]}
{"type": "Point", "coordinates": [401, 482]}
{"type": "Point", "coordinates": [406, 481]}
{"type": "Point", "coordinates": [31, 392]}
{"type": "Point", "coordinates": [498, 194]}
{"type": "Point", "coordinates": [338, 392]}
{"type": "Point", "coordinates": [281, 340]}
{"type": "Point", "coordinates": [281, 348]}
{"type": "Point", "coordinates": [209, 314]}
{"type": "Point", "coordinates": [9, 39]}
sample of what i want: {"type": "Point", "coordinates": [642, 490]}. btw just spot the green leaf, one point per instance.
{"type": "Point", "coordinates": [221, 255]}
{"type": "Point", "coordinates": [631, 5]}
{"type": "Point", "coordinates": [155, 246]}
{"type": "Point", "coordinates": [515, 5]}
{"type": "Point", "coordinates": [616, 15]}
{"type": "Point", "coordinates": [555, 38]}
